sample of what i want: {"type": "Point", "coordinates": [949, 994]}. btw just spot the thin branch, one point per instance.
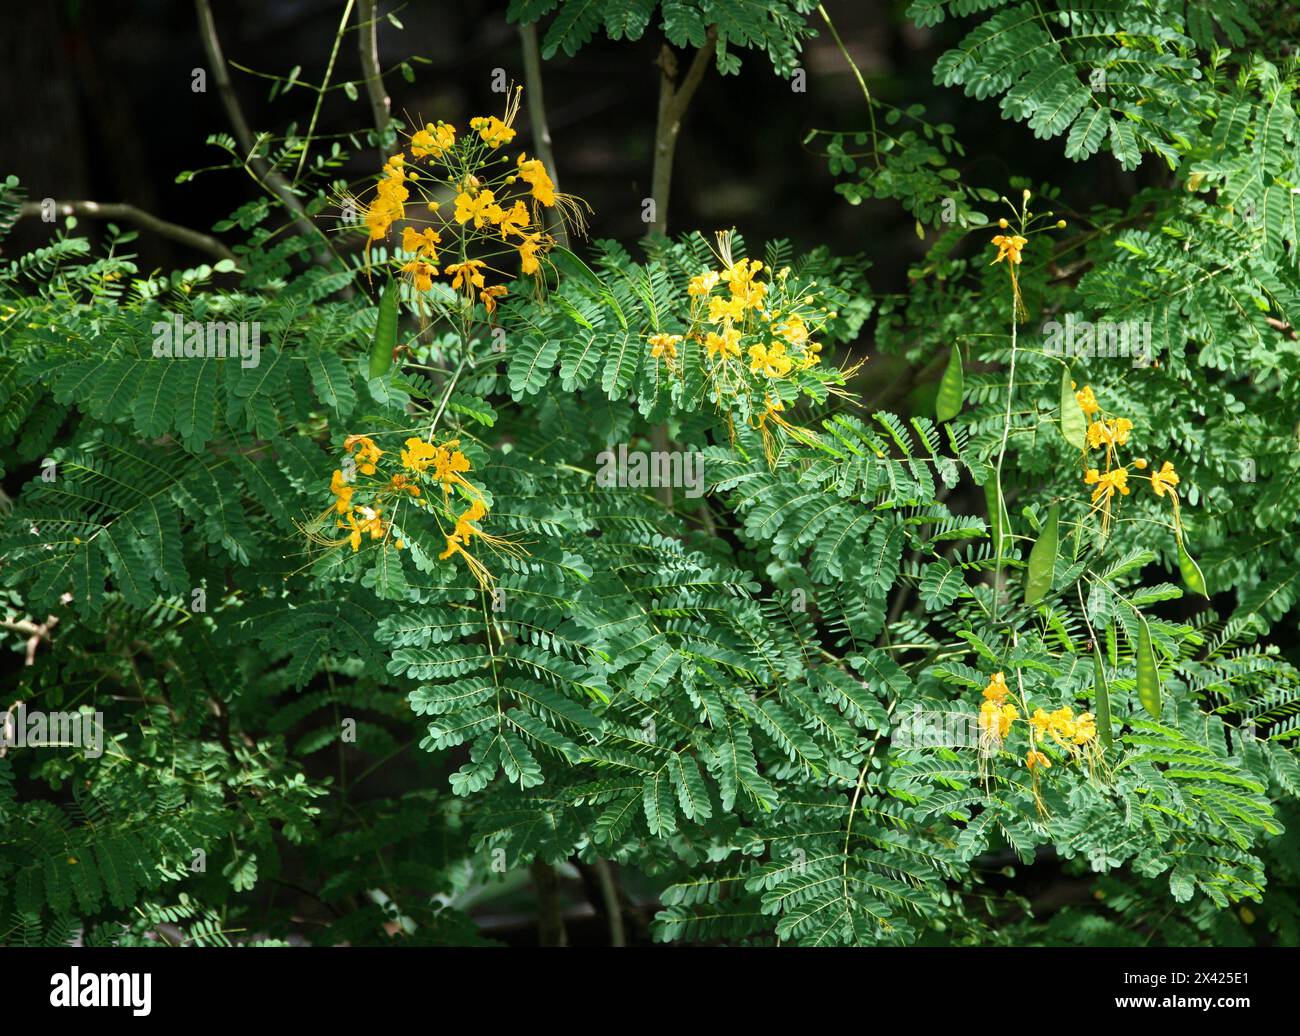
{"type": "Point", "coordinates": [368, 44]}
{"type": "Point", "coordinates": [212, 47]}
{"type": "Point", "coordinates": [537, 114]}
{"type": "Point", "coordinates": [550, 917]}
{"type": "Point", "coordinates": [862, 83]}
{"type": "Point", "coordinates": [673, 102]}
{"type": "Point", "coordinates": [130, 214]}
{"type": "Point", "coordinates": [320, 97]}
{"type": "Point", "coordinates": [613, 908]}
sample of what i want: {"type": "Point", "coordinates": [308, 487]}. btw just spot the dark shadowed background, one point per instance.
{"type": "Point", "coordinates": [98, 105]}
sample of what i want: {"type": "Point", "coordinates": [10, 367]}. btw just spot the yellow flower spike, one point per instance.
{"type": "Point", "coordinates": [1009, 247]}
{"type": "Point", "coordinates": [725, 345]}
{"type": "Point", "coordinates": [433, 141]}
{"type": "Point", "coordinates": [489, 296]}
{"type": "Point", "coordinates": [702, 284]}
{"type": "Point", "coordinates": [1164, 480]}
{"type": "Point", "coordinates": [770, 361]}
{"type": "Point", "coordinates": [368, 453]}
{"type": "Point", "coordinates": [997, 689]}
{"type": "Point", "coordinates": [492, 131]}
{"type": "Point", "coordinates": [664, 346]}
{"type": "Point", "coordinates": [466, 274]}
{"type": "Point", "coordinates": [342, 491]}
{"type": "Point", "coordinates": [528, 249]}
{"type": "Point", "coordinates": [533, 173]}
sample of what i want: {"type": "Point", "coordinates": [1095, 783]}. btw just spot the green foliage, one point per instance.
{"type": "Point", "coordinates": [762, 700]}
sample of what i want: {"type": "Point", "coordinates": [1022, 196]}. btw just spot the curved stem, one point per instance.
{"type": "Point", "coordinates": [120, 210]}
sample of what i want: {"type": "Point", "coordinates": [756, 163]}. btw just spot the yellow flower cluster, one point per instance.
{"type": "Point", "coordinates": [423, 464]}
{"type": "Point", "coordinates": [997, 716]}
{"type": "Point", "coordinates": [495, 209]}
{"type": "Point", "coordinates": [1110, 479]}
{"type": "Point", "coordinates": [756, 328]}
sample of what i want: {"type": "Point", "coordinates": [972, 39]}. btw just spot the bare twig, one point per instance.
{"type": "Point", "coordinates": [550, 918]}
{"type": "Point", "coordinates": [862, 83]}
{"type": "Point", "coordinates": [613, 908]}
{"type": "Point", "coordinates": [212, 47]}
{"type": "Point", "coordinates": [673, 102]}
{"type": "Point", "coordinates": [368, 45]}
{"type": "Point", "coordinates": [130, 214]}
{"type": "Point", "coordinates": [320, 94]}
{"type": "Point", "coordinates": [537, 114]}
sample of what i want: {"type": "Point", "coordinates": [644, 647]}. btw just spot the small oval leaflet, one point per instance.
{"type": "Point", "coordinates": [381, 352]}
{"type": "Point", "coordinates": [947, 404]}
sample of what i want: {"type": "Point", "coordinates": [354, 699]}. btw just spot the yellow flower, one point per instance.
{"type": "Point", "coordinates": [664, 345]}
{"type": "Point", "coordinates": [997, 689]}
{"type": "Point", "coordinates": [533, 173]}
{"type": "Point", "coordinates": [423, 243]}
{"type": "Point", "coordinates": [390, 197]}
{"type": "Point", "coordinates": [448, 463]}
{"type": "Point", "coordinates": [1087, 401]}
{"type": "Point", "coordinates": [1009, 246]}
{"type": "Point", "coordinates": [995, 720]}
{"type": "Point", "coordinates": [489, 296]}
{"type": "Point", "coordinates": [1109, 433]}
{"type": "Point", "coordinates": [342, 491]}
{"type": "Point", "coordinates": [1085, 728]}
{"type": "Point", "coordinates": [739, 275]}
{"type": "Point", "coordinates": [481, 208]}
{"type": "Point", "coordinates": [460, 537]}
{"type": "Point", "coordinates": [1062, 725]}
{"type": "Point", "coordinates": [367, 452]}
{"type": "Point", "coordinates": [528, 253]}
{"type": "Point", "coordinates": [725, 344]}
{"type": "Point", "coordinates": [702, 284]}
{"type": "Point", "coordinates": [1164, 480]}
{"type": "Point", "coordinates": [1036, 759]}
{"type": "Point", "coordinates": [466, 273]}
{"type": "Point", "coordinates": [771, 362]}
{"type": "Point", "coordinates": [418, 455]}
{"type": "Point", "coordinates": [493, 131]}
{"type": "Point", "coordinates": [421, 273]}
{"type": "Point", "coordinates": [721, 309]}
{"type": "Point", "coordinates": [371, 523]}
{"type": "Point", "coordinates": [793, 330]}
{"type": "Point", "coordinates": [1041, 722]}
{"type": "Point", "coordinates": [399, 483]}
{"type": "Point", "coordinates": [433, 141]}
{"type": "Point", "coordinates": [1115, 480]}
{"type": "Point", "coordinates": [811, 354]}
{"type": "Point", "coordinates": [513, 221]}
